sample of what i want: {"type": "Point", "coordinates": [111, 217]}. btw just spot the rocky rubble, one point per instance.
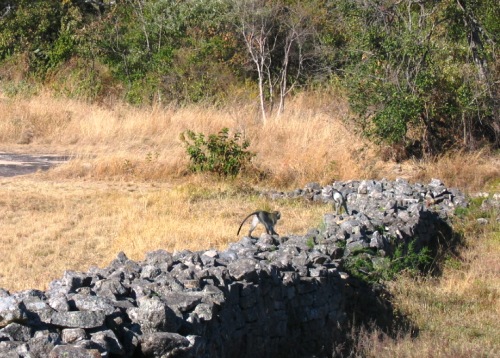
{"type": "Point", "coordinates": [382, 214]}
{"type": "Point", "coordinates": [271, 296]}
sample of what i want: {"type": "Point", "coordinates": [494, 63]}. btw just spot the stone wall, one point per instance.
{"type": "Point", "coordinates": [276, 296]}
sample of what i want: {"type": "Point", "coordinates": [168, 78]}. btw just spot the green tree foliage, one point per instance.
{"type": "Point", "coordinates": [421, 76]}
{"type": "Point", "coordinates": [220, 153]}
{"type": "Point", "coordinates": [46, 31]}
{"type": "Point", "coordinates": [168, 50]}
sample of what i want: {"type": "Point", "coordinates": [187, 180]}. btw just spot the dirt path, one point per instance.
{"type": "Point", "coordinates": [12, 164]}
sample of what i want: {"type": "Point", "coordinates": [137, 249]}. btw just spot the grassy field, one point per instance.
{"type": "Point", "coordinates": [128, 189]}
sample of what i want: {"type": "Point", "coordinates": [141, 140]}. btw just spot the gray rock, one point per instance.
{"type": "Point", "coordinates": [111, 289]}
{"type": "Point", "coordinates": [16, 332]}
{"type": "Point", "coordinates": [269, 296]}
{"type": "Point", "coordinates": [354, 247]}
{"type": "Point", "coordinates": [71, 335]}
{"type": "Point", "coordinates": [78, 319]}
{"type": "Point", "coordinates": [244, 269]}
{"type": "Point", "coordinates": [160, 257]}
{"type": "Point", "coordinates": [93, 303]}
{"type": "Point", "coordinates": [377, 241]}
{"type": "Point", "coordinates": [58, 302]}
{"type": "Point", "coordinates": [153, 314]}
{"type": "Point", "coordinates": [10, 311]}
{"type": "Point", "coordinates": [74, 352]}
{"type": "Point", "coordinates": [42, 345]}
{"type": "Point", "coordinates": [482, 221]}
{"type": "Point", "coordinates": [163, 344]}
{"type": "Point", "coordinates": [107, 342]}
{"type": "Point", "coordinates": [13, 349]}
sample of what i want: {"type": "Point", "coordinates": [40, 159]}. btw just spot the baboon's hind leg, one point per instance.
{"type": "Point", "coordinates": [255, 222]}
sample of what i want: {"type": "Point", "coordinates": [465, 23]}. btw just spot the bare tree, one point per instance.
{"type": "Point", "coordinates": [298, 32]}
{"type": "Point", "coordinates": [274, 34]}
{"type": "Point", "coordinates": [256, 24]}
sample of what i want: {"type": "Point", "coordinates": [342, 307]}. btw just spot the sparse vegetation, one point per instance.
{"type": "Point", "coordinates": [220, 153]}
{"type": "Point", "coordinates": [128, 189]}
{"type": "Point", "coordinates": [310, 243]}
{"type": "Point", "coordinates": [422, 78]}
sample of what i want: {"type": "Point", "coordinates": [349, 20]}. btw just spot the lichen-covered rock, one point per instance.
{"type": "Point", "coordinates": [78, 319]}
{"type": "Point", "coordinates": [153, 314]}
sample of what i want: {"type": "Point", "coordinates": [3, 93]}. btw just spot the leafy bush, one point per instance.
{"type": "Point", "coordinates": [406, 258]}
{"type": "Point", "coordinates": [221, 153]}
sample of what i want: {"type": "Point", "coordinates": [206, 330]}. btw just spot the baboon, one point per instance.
{"type": "Point", "coordinates": [338, 200]}
{"type": "Point", "coordinates": [265, 218]}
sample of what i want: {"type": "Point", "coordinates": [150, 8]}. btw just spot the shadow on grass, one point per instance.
{"type": "Point", "coordinates": [369, 305]}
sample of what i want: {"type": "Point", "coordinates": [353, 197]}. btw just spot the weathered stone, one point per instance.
{"type": "Point", "coordinates": [16, 332]}
{"type": "Point", "coordinates": [153, 314]}
{"type": "Point", "coordinates": [204, 312]}
{"type": "Point", "coordinates": [244, 269]}
{"type": "Point", "coordinates": [163, 344]}
{"type": "Point", "coordinates": [312, 187]}
{"type": "Point", "coordinates": [74, 280]}
{"type": "Point", "coordinates": [159, 257]}
{"type": "Point", "coordinates": [130, 339]}
{"type": "Point", "coordinates": [150, 271]}
{"type": "Point", "coordinates": [71, 335]}
{"type": "Point", "coordinates": [93, 303]}
{"type": "Point", "coordinates": [42, 345]}
{"type": "Point", "coordinates": [78, 319]}
{"type": "Point", "coordinates": [108, 342]}
{"type": "Point", "coordinates": [73, 352]}
{"type": "Point", "coordinates": [58, 302]}
{"type": "Point", "coordinates": [10, 311]}
{"type": "Point", "coordinates": [12, 349]}
{"type": "Point", "coordinates": [377, 241]}
{"type": "Point", "coordinates": [112, 289]}
{"type": "Point", "coordinates": [355, 247]}
{"type": "Point", "coordinates": [270, 296]}
{"type": "Point", "coordinates": [182, 301]}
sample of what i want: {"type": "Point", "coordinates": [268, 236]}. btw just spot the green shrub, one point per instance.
{"type": "Point", "coordinates": [221, 153]}
{"type": "Point", "coordinates": [406, 258]}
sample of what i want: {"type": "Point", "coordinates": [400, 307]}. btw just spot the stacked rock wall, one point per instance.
{"type": "Point", "coordinates": [266, 297]}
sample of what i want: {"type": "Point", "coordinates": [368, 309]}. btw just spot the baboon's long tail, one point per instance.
{"type": "Point", "coordinates": [254, 213]}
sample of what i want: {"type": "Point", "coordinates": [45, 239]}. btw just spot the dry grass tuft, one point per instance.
{"type": "Point", "coordinates": [472, 171]}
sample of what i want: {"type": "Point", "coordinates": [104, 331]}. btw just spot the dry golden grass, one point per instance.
{"type": "Point", "coordinates": [49, 227]}
{"type": "Point", "coordinates": [308, 143]}
{"type": "Point", "coordinates": [471, 171]}
{"type": "Point", "coordinates": [127, 190]}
